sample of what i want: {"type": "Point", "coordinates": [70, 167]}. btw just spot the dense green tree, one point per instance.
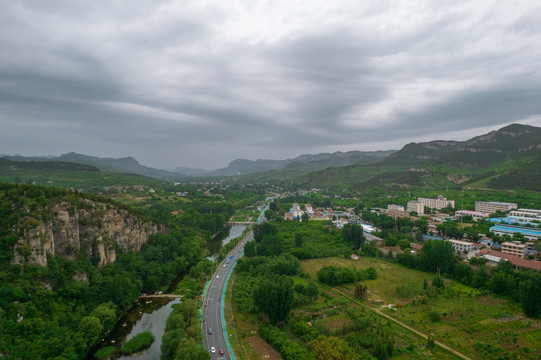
{"type": "Point", "coordinates": [106, 313]}
{"type": "Point", "coordinates": [305, 217]}
{"type": "Point", "coordinates": [271, 245]}
{"type": "Point", "coordinates": [299, 239]}
{"type": "Point", "coordinates": [275, 297]}
{"type": "Point", "coordinates": [250, 249]}
{"type": "Point", "coordinates": [530, 297]}
{"type": "Point", "coordinates": [353, 235]}
{"type": "Point", "coordinates": [437, 255]}
{"type": "Point", "coordinates": [91, 328]}
{"type": "Point", "coordinates": [261, 230]}
{"type": "Point", "coordinates": [189, 350]}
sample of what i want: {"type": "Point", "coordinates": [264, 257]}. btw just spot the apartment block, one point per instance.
{"type": "Point", "coordinates": [417, 206]}
{"type": "Point", "coordinates": [438, 203]}
{"type": "Point", "coordinates": [395, 207]}
{"type": "Point", "coordinates": [460, 246]}
{"type": "Point", "coordinates": [516, 248]}
{"type": "Point", "coordinates": [493, 206]}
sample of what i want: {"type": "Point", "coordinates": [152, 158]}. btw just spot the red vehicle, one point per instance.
{"type": "Point", "coordinates": [221, 351]}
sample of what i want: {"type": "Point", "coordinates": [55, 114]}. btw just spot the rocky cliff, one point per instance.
{"type": "Point", "coordinates": [85, 228]}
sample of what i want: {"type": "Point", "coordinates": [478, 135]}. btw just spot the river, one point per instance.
{"type": "Point", "coordinates": [150, 314]}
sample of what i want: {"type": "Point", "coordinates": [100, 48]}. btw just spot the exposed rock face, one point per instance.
{"type": "Point", "coordinates": [94, 229]}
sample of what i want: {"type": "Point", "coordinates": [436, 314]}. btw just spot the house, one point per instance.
{"type": "Point", "coordinates": [173, 213]}
{"type": "Point", "coordinates": [354, 257]}
{"type": "Point", "coordinates": [518, 262]}
{"type": "Point", "coordinates": [460, 246]}
{"type": "Point", "coordinates": [288, 216]}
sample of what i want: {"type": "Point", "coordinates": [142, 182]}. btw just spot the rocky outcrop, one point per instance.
{"type": "Point", "coordinates": [91, 229]}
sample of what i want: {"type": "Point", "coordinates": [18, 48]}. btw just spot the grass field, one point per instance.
{"type": "Point", "coordinates": [478, 326]}
{"type": "Point", "coordinates": [328, 314]}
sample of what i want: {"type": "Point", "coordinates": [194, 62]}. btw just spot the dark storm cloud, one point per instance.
{"type": "Point", "coordinates": [202, 83]}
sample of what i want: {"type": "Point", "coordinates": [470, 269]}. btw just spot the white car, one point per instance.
{"type": "Point", "coordinates": [217, 276]}
{"type": "Point", "coordinates": [212, 350]}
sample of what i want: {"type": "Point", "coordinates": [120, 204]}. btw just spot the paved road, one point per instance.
{"type": "Point", "coordinates": [212, 311]}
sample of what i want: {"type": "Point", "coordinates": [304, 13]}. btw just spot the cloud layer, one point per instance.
{"type": "Point", "coordinates": [200, 83]}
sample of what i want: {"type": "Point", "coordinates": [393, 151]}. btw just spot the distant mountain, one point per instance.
{"type": "Point", "coordinates": [307, 163]}
{"type": "Point", "coordinates": [121, 165]}
{"type": "Point", "coordinates": [508, 158]}
{"type": "Point", "coordinates": [191, 171]}
{"type": "Point", "coordinates": [416, 153]}
{"type": "Point", "coordinates": [67, 175]}
{"type": "Point", "coordinates": [302, 163]}
{"type": "Point", "coordinates": [510, 141]}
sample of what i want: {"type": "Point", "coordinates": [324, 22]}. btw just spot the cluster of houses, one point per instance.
{"type": "Point", "coordinates": [338, 216]}
{"type": "Point", "coordinates": [521, 221]}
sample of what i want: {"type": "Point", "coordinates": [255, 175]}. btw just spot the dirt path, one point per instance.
{"type": "Point", "coordinates": [263, 349]}
{"type": "Point", "coordinates": [443, 346]}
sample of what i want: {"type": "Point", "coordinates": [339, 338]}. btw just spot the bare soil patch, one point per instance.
{"type": "Point", "coordinates": [487, 300]}
{"type": "Point", "coordinates": [338, 323]}
{"type": "Point", "coordinates": [263, 349]}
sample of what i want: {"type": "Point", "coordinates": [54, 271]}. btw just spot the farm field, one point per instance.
{"type": "Point", "coordinates": [331, 315]}
{"type": "Point", "coordinates": [477, 325]}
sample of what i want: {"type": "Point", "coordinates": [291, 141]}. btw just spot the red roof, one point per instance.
{"type": "Point", "coordinates": [174, 212]}
{"type": "Point", "coordinates": [518, 261]}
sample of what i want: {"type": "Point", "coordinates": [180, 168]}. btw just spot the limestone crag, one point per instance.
{"type": "Point", "coordinates": [91, 229]}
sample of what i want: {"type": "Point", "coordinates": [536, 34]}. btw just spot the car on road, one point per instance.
{"type": "Point", "coordinates": [212, 350]}
{"type": "Point", "coordinates": [210, 331]}
{"type": "Point", "coordinates": [221, 351]}
{"type": "Point", "coordinates": [217, 276]}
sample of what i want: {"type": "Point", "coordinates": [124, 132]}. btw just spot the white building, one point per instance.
{"type": "Point", "coordinates": [438, 203]}
{"type": "Point", "coordinates": [476, 215]}
{"type": "Point", "coordinates": [395, 207]}
{"type": "Point", "coordinates": [493, 206]}
{"type": "Point", "coordinates": [417, 206]}
{"type": "Point", "coordinates": [526, 213]}
{"type": "Point", "coordinates": [460, 246]}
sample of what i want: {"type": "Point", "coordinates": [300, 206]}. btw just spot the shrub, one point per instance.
{"type": "Point", "coordinates": [103, 352]}
{"type": "Point", "coordinates": [434, 316]}
{"type": "Point", "coordinates": [138, 342]}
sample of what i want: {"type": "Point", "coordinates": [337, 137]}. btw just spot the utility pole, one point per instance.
{"type": "Point", "coordinates": [462, 213]}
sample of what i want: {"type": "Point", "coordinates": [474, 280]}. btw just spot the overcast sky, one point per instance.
{"type": "Point", "coordinates": [201, 83]}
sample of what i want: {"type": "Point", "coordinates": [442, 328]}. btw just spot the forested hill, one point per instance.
{"type": "Point", "coordinates": [38, 221]}
{"type": "Point", "coordinates": [72, 264]}
{"type": "Point", "coordinates": [506, 159]}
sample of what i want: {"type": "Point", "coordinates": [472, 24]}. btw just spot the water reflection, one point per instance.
{"type": "Point", "coordinates": [148, 314]}
{"type": "Point", "coordinates": [223, 238]}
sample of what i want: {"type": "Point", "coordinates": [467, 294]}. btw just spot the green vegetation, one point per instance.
{"type": "Point", "coordinates": [103, 352]}
{"type": "Point", "coordinates": [137, 343]}
{"type": "Point", "coordinates": [183, 334]}
{"type": "Point", "coordinates": [474, 322]}
{"type": "Point", "coordinates": [61, 310]}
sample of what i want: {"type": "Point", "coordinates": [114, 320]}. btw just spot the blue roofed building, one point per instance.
{"type": "Point", "coordinates": [529, 233]}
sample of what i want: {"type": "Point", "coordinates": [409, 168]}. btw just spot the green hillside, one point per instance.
{"type": "Point", "coordinates": [66, 175]}
{"type": "Point", "coordinates": [506, 159]}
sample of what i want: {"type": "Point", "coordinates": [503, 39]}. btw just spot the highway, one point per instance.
{"type": "Point", "coordinates": [212, 303]}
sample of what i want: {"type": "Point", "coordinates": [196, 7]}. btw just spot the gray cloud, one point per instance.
{"type": "Point", "coordinates": [200, 84]}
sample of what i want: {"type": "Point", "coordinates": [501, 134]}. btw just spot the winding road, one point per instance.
{"type": "Point", "coordinates": [212, 326]}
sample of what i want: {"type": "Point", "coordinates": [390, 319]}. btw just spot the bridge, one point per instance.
{"type": "Point", "coordinates": [240, 223]}
{"type": "Point", "coordinates": [148, 296]}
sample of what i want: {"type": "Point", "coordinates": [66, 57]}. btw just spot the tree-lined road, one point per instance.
{"type": "Point", "coordinates": [212, 307]}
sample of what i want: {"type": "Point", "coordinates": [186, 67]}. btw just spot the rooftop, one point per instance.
{"type": "Point", "coordinates": [518, 261]}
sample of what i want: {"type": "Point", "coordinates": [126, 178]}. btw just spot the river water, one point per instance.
{"type": "Point", "coordinates": [150, 314]}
